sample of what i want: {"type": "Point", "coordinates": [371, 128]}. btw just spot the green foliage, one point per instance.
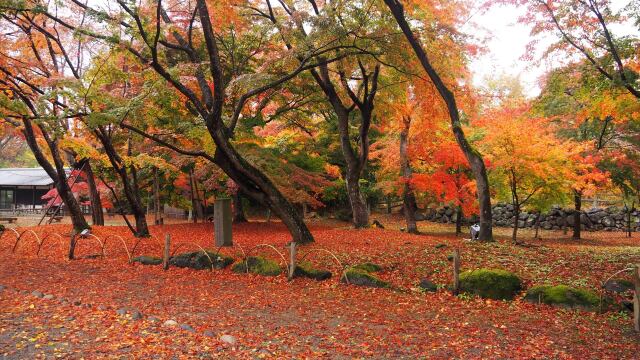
{"type": "Point", "coordinates": [564, 296]}
{"type": "Point", "coordinates": [491, 283]}
{"type": "Point", "coordinates": [258, 265]}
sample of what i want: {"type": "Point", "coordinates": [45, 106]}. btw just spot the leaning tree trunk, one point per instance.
{"type": "Point", "coordinates": [97, 216]}
{"type": "Point", "coordinates": [59, 176]}
{"type": "Point", "coordinates": [473, 157]}
{"type": "Point", "coordinates": [577, 198]}
{"type": "Point", "coordinates": [257, 186]}
{"type": "Point", "coordinates": [238, 210]}
{"type": "Point", "coordinates": [409, 198]}
{"type": "Point", "coordinates": [538, 216]}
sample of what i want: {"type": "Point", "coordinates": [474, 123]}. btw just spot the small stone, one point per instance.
{"type": "Point", "coordinates": [37, 294]}
{"type": "Point", "coordinates": [229, 339]}
{"type": "Point", "coordinates": [170, 323]}
{"type": "Point", "coordinates": [440, 246]}
{"type": "Point", "coordinates": [187, 327]}
{"type": "Point", "coordinates": [427, 285]}
{"type": "Point", "coordinates": [121, 312]}
{"type": "Point", "coordinates": [77, 303]}
{"type": "Point", "coordinates": [209, 333]}
{"type": "Point", "coordinates": [102, 308]}
{"type": "Point", "coordinates": [136, 315]}
{"type": "Point", "coordinates": [48, 297]}
{"type": "Point", "coordinates": [153, 319]}
{"type": "Point", "coordinates": [2, 287]}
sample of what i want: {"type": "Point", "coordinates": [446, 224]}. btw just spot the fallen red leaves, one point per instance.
{"type": "Point", "coordinates": [271, 317]}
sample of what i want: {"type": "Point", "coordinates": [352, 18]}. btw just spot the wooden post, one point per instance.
{"type": "Point", "coordinates": [456, 271]}
{"type": "Point", "coordinates": [222, 222]}
{"type": "Point", "coordinates": [636, 298]}
{"type": "Point", "coordinates": [167, 245]}
{"type": "Point", "coordinates": [292, 259]}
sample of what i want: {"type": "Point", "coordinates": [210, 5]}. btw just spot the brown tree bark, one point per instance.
{"type": "Point", "coordinates": [473, 157]}
{"type": "Point", "coordinates": [58, 174]}
{"type": "Point", "coordinates": [409, 198]}
{"type": "Point", "coordinates": [459, 216]}
{"type": "Point", "coordinates": [577, 200]}
{"type": "Point", "coordinates": [157, 202]}
{"type": "Point", "coordinates": [97, 216]}
{"type": "Point", "coordinates": [238, 210]}
{"type": "Point", "coordinates": [129, 186]}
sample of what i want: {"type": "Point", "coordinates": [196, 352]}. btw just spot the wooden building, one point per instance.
{"type": "Point", "coordinates": [23, 188]}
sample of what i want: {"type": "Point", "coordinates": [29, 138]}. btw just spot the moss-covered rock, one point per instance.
{"type": "Point", "coordinates": [619, 285]}
{"type": "Point", "coordinates": [361, 277]}
{"type": "Point", "coordinates": [306, 270]}
{"type": "Point", "coordinates": [258, 265]}
{"type": "Point", "coordinates": [368, 267]}
{"type": "Point", "coordinates": [563, 296]}
{"type": "Point", "coordinates": [199, 261]}
{"type": "Point", "coordinates": [147, 260]}
{"type": "Point", "coordinates": [491, 283]}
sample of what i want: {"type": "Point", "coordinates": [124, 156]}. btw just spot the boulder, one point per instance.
{"type": "Point", "coordinates": [360, 277]}
{"type": "Point", "coordinates": [618, 285]}
{"type": "Point", "coordinates": [490, 283]}
{"type": "Point", "coordinates": [368, 267]}
{"type": "Point", "coordinates": [427, 285]}
{"type": "Point", "coordinates": [258, 265]}
{"type": "Point", "coordinates": [197, 260]}
{"type": "Point", "coordinates": [147, 260]}
{"type": "Point", "coordinates": [608, 222]}
{"type": "Point", "coordinates": [563, 296]}
{"type": "Point", "coordinates": [305, 269]}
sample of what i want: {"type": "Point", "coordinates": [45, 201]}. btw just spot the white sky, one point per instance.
{"type": "Point", "coordinates": [507, 44]}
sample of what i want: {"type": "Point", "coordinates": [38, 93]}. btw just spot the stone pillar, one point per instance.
{"type": "Point", "coordinates": [222, 217]}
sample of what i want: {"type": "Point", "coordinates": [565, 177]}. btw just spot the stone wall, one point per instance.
{"type": "Point", "coordinates": [607, 219]}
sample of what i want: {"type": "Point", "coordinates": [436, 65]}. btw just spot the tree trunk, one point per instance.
{"type": "Point", "coordinates": [577, 198]}
{"type": "Point", "coordinates": [539, 215]}
{"type": "Point", "coordinates": [409, 198]}
{"type": "Point", "coordinates": [473, 157]}
{"type": "Point", "coordinates": [97, 216]}
{"type": "Point", "coordinates": [130, 186]}
{"type": "Point", "coordinates": [257, 186]}
{"type": "Point", "coordinates": [157, 202]}
{"type": "Point", "coordinates": [357, 201]}
{"type": "Point", "coordinates": [514, 235]}
{"type": "Point", "coordinates": [57, 173]}
{"type": "Point", "coordinates": [238, 210]}
{"type": "Point", "coordinates": [629, 211]}
{"type": "Point", "coordinates": [194, 212]}
{"type": "Point", "coordinates": [459, 216]}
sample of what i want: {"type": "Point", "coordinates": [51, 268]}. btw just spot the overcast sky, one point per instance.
{"type": "Point", "coordinates": [507, 45]}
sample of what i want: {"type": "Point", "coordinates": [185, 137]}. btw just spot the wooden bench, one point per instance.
{"type": "Point", "coordinates": [9, 219]}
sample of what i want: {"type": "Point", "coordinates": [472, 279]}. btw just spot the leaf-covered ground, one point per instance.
{"type": "Point", "coordinates": [270, 317]}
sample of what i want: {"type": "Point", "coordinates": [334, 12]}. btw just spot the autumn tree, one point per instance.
{"type": "Point", "coordinates": [529, 165]}
{"type": "Point", "coordinates": [585, 28]}
{"type": "Point", "coordinates": [444, 89]}
{"type": "Point", "coordinates": [35, 61]}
